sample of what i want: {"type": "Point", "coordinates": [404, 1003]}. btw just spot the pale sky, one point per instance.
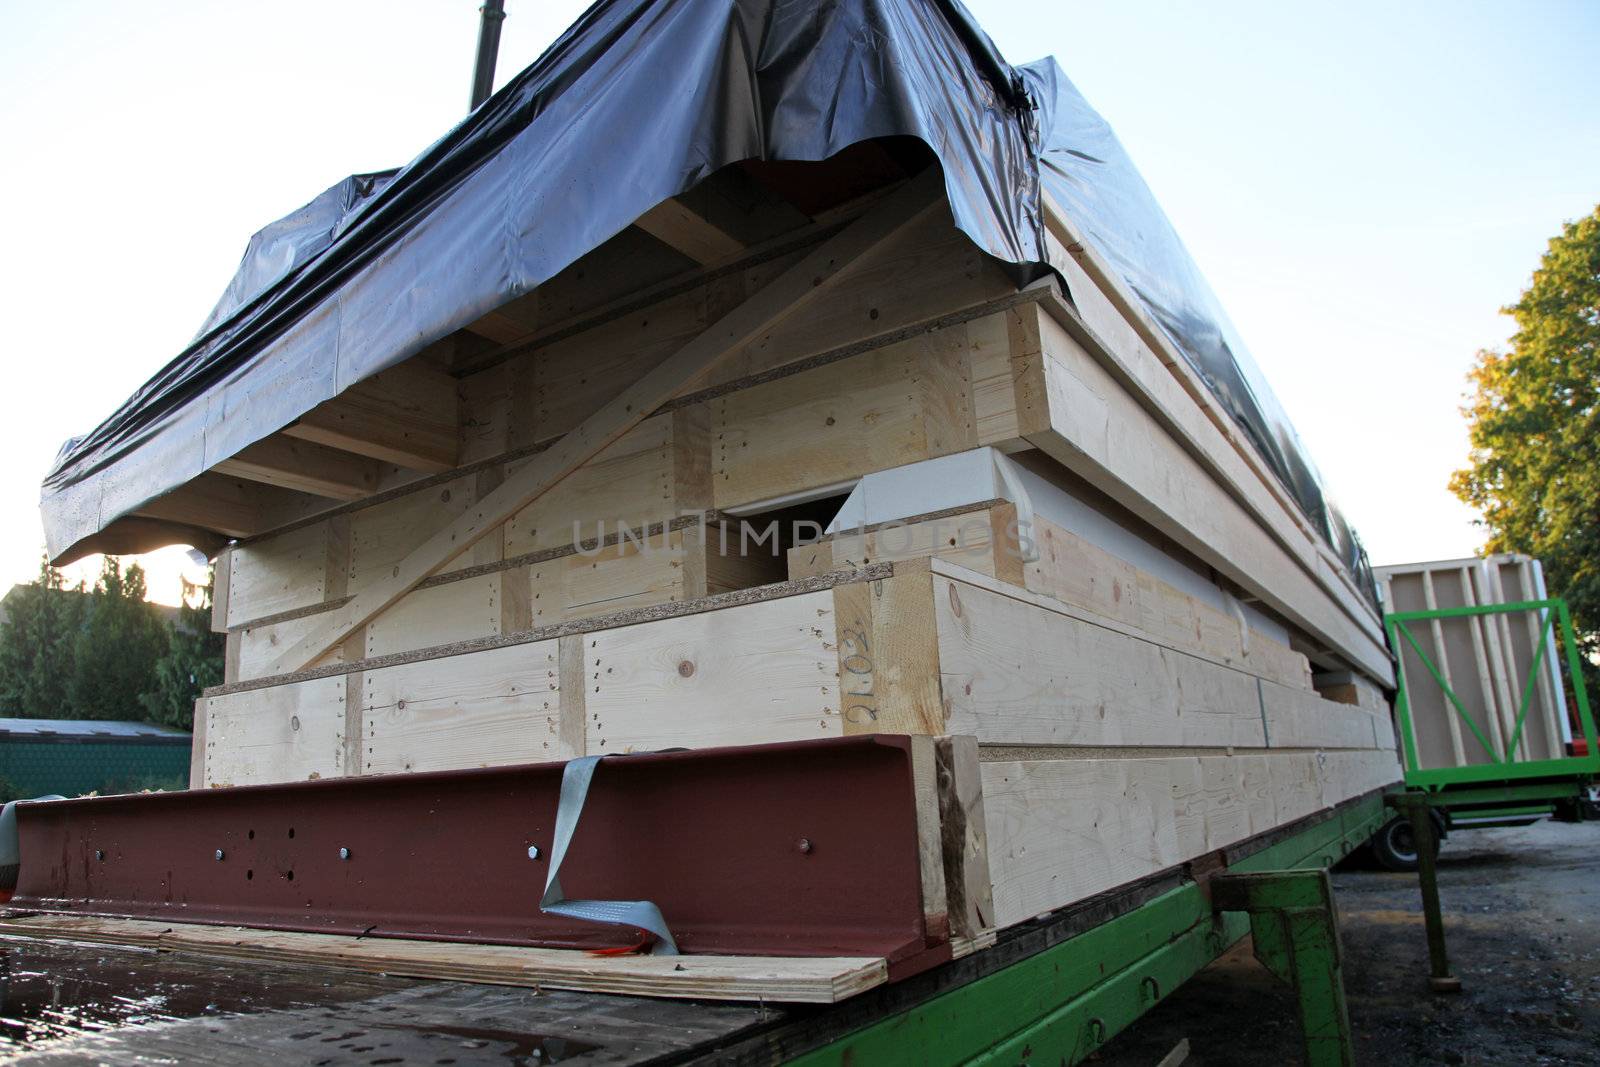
{"type": "Point", "coordinates": [1365, 185]}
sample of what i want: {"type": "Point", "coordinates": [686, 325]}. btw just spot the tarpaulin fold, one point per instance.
{"type": "Point", "coordinates": [637, 102]}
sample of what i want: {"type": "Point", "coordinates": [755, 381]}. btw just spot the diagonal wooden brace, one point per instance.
{"type": "Point", "coordinates": [783, 297]}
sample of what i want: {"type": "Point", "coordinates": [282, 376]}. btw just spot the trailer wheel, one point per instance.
{"type": "Point", "coordinates": [1395, 846]}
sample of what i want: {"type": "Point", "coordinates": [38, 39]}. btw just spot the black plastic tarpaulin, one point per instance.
{"type": "Point", "coordinates": [636, 103]}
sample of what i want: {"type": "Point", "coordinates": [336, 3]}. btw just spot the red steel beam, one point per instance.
{"type": "Point", "coordinates": [802, 849]}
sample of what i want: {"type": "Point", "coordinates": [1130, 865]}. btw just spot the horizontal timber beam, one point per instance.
{"type": "Point", "coordinates": [230, 506]}
{"type": "Point", "coordinates": [305, 467]}
{"type": "Point", "coordinates": [405, 415]}
{"type": "Point", "coordinates": [674, 224]}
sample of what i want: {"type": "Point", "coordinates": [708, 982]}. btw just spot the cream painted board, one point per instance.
{"type": "Point", "coordinates": [745, 675]}
{"type": "Point", "coordinates": [486, 709]}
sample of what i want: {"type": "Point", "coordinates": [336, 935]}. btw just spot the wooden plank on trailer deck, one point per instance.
{"type": "Point", "coordinates": [821, 980]}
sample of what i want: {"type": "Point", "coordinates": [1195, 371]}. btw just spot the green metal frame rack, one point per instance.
{"type": "Point", "coordinates": [1503, 770]}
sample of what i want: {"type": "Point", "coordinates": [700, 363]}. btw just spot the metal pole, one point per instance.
{"type": "Point", "coordinates": [494, 13]}
{"type": "Point", "coordinates": [1416, 809]}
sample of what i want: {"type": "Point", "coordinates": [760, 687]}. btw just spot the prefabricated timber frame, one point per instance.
{"type": "Point", "coordinates": [1502, 764]}
{"type": "Point", "coordinates": [1143, 756]}
{"type": "Point", "coordinates": [294, 558]}
{"type": "Point", "coordinates": [1080, 374]}
{"type": "Point", "coordinates": [685, 369]}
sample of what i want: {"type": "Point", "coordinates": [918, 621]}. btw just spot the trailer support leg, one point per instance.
{"type": "Point", "coordinates": [1296, 934]}
{"type": "Point", "coordinates": [1415, 807]}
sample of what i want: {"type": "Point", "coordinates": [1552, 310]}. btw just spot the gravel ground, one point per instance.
{"type": "Point", "coordinates": [1522, 922]}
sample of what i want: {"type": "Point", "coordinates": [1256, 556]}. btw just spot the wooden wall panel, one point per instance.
{"type": "Point", "coordinates": [631, 483]}
{"type": "Point", "coordinates": [983, 540]}
{"type": "Point", "coordinates": [437, 615]}
{"type": "Point", "coordinates": [284, 734]}
{"type": "Point", "coordinates": [1061, 830]}
{"type": "Point", "coordinates": [615, 578]}
{"type": "Point", "coordinates": [382, 535]}
{"type": "Point", "coordinates": [279, 574]}
{"type": "Point", "coordinates": [1070, 569]}
{"type": "Point", "coordinates": [832, 424]}
{"type": "Point", "coordinates": [744, 675]}
{"type": "Point", "coordinates": [1076, 571]}
{"type": "Point", "coordinates": [931, 270]}
{"type": "Point", "coordinates": [1014, 672]}
{"type": "Point", "coordinates": [491, 708]}
{"type": "Point", "coordinates": [1103, 433]}
{"type": "Point", "coordinates": [1303, 719]}
{"type": "Point", "coordinates": [262, 644]}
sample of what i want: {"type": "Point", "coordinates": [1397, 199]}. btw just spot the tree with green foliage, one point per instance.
{"type": "Point", "coordinates": [193, 662]}
{"type": "Point", "coordinates": [117, 647]}
{"type": "Point", "coordinates": [37, 644]}
{"type": "Point", "coordinates": [1534, 419]}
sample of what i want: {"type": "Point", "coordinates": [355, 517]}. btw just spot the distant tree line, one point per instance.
{"type": "Point", "coordinates": [104, 653]}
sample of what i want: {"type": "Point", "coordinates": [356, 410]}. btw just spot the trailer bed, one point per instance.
{"type": "Point", "coordinates": [1067, 982]}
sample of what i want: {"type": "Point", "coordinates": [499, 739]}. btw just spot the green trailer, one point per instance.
{"type": "Point", "coordinates": [1504, 781]}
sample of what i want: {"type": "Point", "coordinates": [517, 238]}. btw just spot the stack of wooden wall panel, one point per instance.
{"type": "Point", "coordinates": [1123, 723]}
{"type": "Point", "coordinates": [1487, 660]}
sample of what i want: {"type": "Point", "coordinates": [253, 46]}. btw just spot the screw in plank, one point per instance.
{"type": "Point", "coordinates": [804, 845]}
{"type": "Point", "coordinates": [533, 852]}
{"type": "Point", "coordinates": [219, 855]}
{"type": "Point", "coordinates": [100, 854]}
{"type": "Point", "coordinates": [344, 853]}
